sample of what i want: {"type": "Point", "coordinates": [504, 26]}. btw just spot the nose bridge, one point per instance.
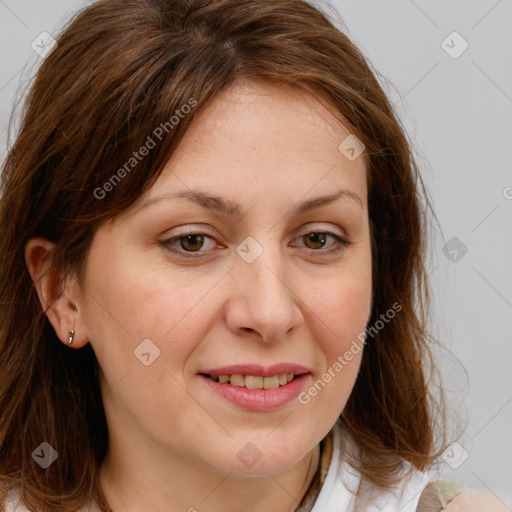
{"type": "Point", "coordinates": [268, 303]}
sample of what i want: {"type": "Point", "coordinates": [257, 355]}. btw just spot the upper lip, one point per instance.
{"type": "Point", "coordinates": [257, 370]}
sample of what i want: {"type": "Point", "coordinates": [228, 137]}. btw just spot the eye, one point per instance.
{"type": "Point", "coordinates": [191, 244]}
{"type": "Point", "coordinates": [317, 240]}
{"type": "Point", "coordinates": [188, 243]}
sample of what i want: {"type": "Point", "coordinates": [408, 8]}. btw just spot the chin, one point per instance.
{"type": "Point", "coordinates": [262, 468]}
{"type": "Point", "coordinates": [259, 457]}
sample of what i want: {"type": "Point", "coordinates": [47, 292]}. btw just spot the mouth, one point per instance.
{"type": "Point", "coordinates": [254, 381]}
{"type": "Point", "coordinates": [256, 388]}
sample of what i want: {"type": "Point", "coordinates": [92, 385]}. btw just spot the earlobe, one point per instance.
{"type": "Point", "coordinates": [56, 293]}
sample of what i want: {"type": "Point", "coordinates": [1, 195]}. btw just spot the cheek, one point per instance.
{"type": "Point", "coordinates": [342, 306]}
{"type": "Point", "coordinates": [340, 310]}
{"type": "Point", "coordinates": [347, 311]}
{"type": "Point", "coordinates": [342, 314]}
{"type": "Point", "coordinates": [132, 302]}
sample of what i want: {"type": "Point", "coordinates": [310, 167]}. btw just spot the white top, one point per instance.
{"type": "Point", "coordinates": [335, 495]}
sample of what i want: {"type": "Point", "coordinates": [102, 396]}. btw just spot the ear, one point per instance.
{"type": "Point", "coordinates": [57, 293]}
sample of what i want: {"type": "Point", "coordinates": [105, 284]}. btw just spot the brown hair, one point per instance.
{"type": "Point", "coordinates": [121, 69]}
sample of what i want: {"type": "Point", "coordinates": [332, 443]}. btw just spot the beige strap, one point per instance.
{"type": "Point", "coordinates": [438, 494]}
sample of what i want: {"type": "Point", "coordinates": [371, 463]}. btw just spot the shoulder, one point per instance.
{"type": "Point", "coordinates": [452, 496]}
{"type": "Point", "coordinates": [477, 501]}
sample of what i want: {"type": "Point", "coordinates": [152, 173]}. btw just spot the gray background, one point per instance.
{"type": "Point", "coordinates": [458, 113]}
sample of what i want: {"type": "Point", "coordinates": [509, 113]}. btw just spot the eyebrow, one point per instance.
{"type": "Point", "coordinates": [231, 208]}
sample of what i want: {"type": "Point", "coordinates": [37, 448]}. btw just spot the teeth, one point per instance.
{"type": "Point", "coordinates": [271, 382]}
{"type": "Point", "coordinates": [237, 380]}
{"type": "Point", "coordinates": [255, 382]}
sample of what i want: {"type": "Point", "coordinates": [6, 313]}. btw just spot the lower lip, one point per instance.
{"type": "Point", "coordinates": [260, 400]}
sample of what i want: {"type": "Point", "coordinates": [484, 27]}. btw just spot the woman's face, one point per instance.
{"type": "Point", "coordinates": [233, 260]}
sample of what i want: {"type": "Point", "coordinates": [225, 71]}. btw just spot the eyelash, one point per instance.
{"type": "Point", "coordinates": [339, 245]}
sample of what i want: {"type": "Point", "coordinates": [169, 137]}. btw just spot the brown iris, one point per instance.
{"type": "Point", "coordinates": [192, 243]}
{"type": "Point", "coordinates": [317, 239]}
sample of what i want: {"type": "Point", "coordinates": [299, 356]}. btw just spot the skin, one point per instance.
{"type": "Point", "coordinates": [173, 442]}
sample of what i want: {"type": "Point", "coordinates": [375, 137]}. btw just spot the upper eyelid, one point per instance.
{"type": "Point", "coordinates": [339, 238]}
{"type": "Point", "coordinates": [206, 230]}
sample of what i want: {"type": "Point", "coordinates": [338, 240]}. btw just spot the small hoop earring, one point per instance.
{"type": "Point", "coordinates": [71, 335]}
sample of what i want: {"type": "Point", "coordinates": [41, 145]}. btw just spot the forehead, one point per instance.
{"type": "Point", "coordinates": [261, 139]}
{"type": "Point", "coordinates": [256, 113]}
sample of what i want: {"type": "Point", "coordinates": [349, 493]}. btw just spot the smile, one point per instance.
{"type": "Point", "coordinates": [254, 381]}
{"type": "Point", "coordinates": [249, 392]}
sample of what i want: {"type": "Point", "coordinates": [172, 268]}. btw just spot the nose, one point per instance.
{"type": "Point", "coordinates": [264, 303]}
